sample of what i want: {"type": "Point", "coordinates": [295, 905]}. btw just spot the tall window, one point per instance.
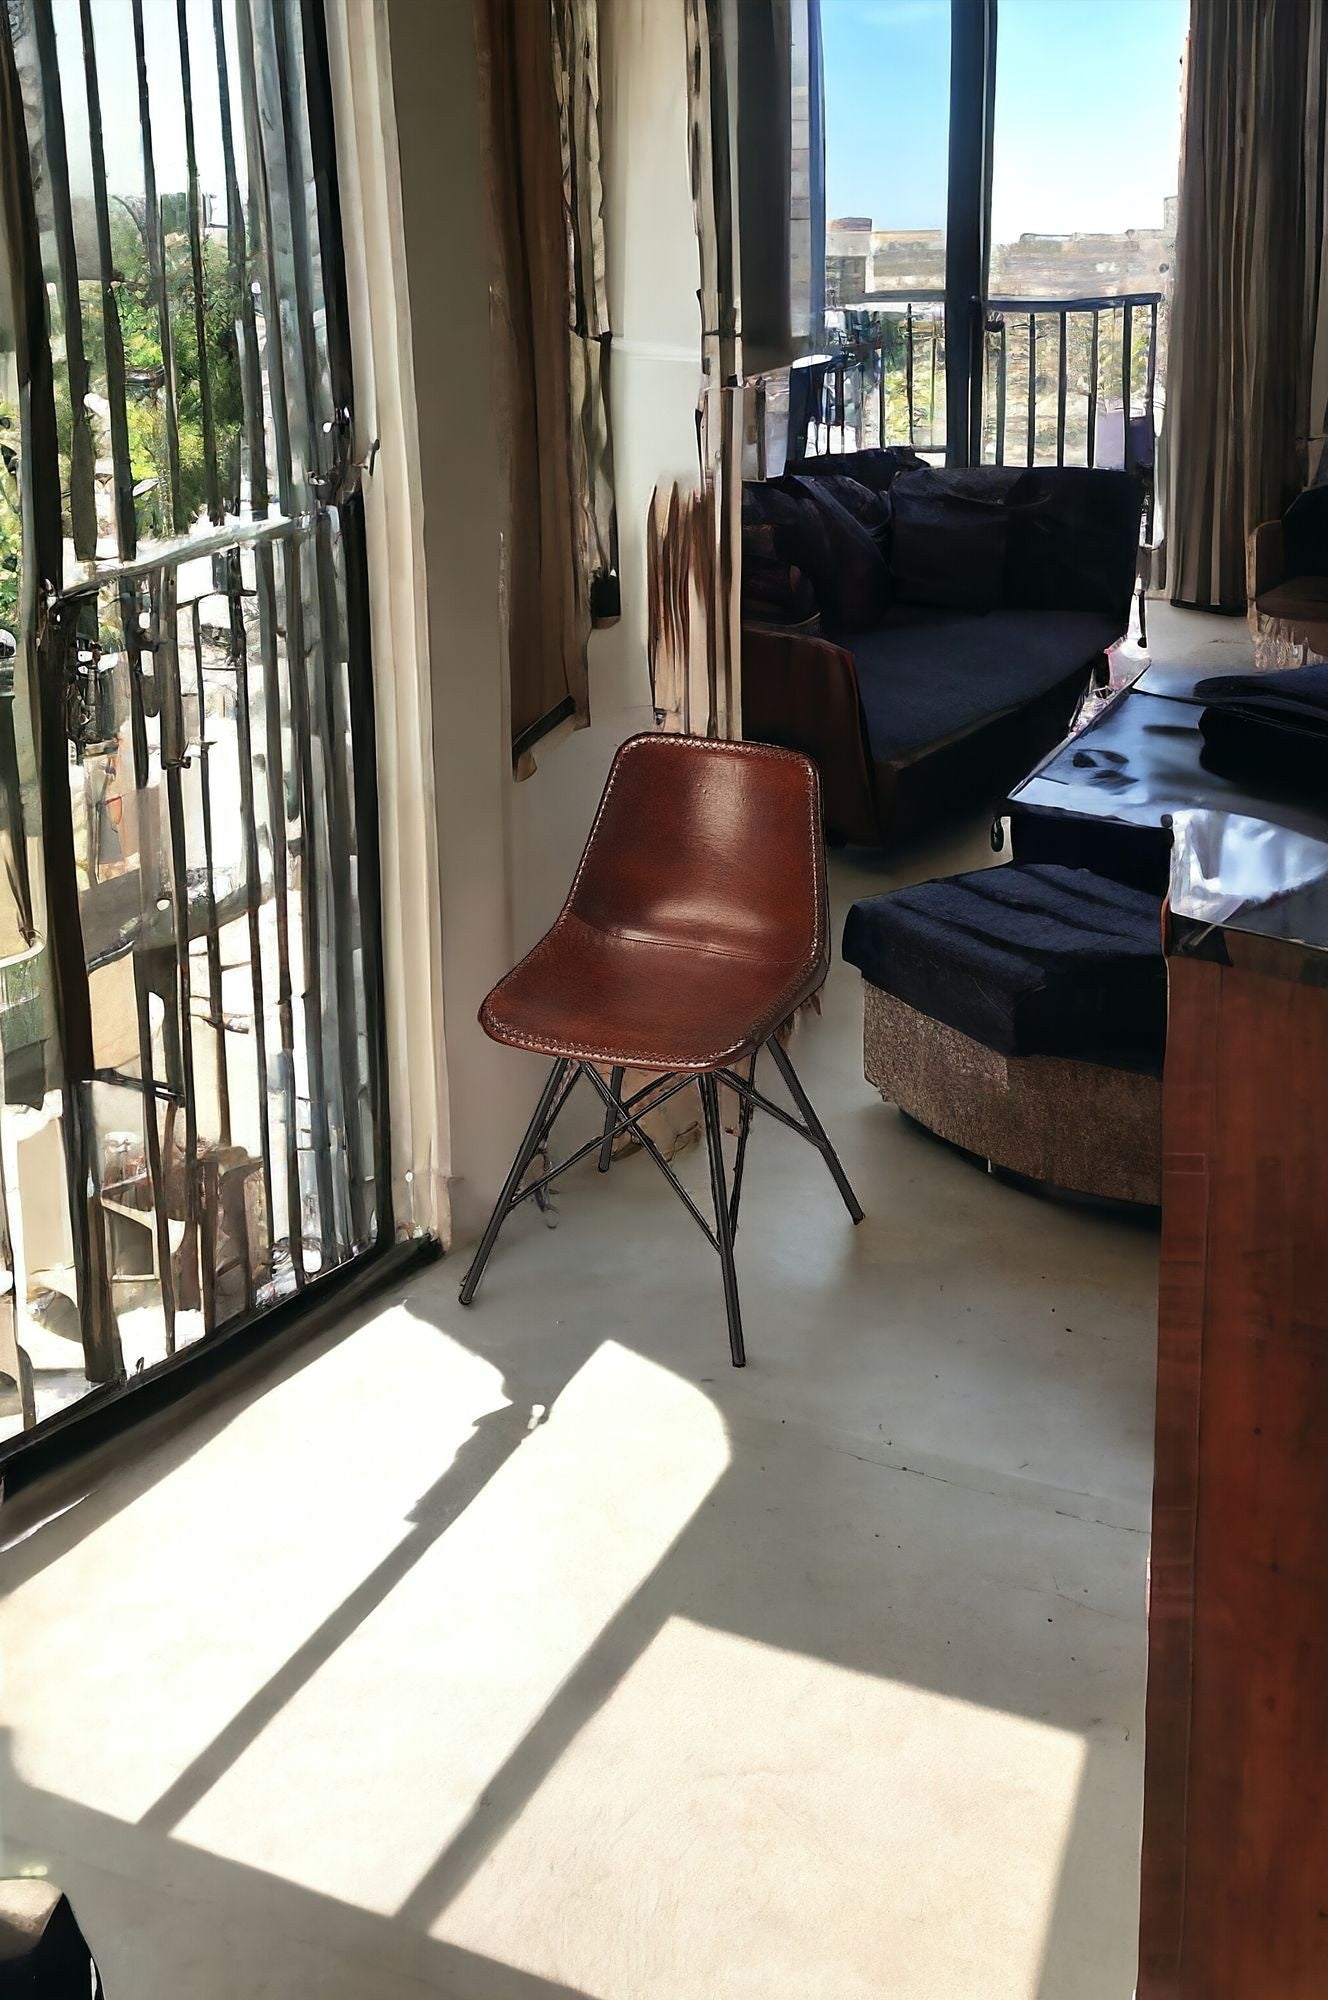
{"type": "Point", "coordinates": [1000, 225]}
{"type": "Point", "coordinates": [189, 1002]}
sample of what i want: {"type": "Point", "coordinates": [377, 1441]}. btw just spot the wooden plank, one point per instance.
{"type": "Point", "coordinates": [1235, 1860]}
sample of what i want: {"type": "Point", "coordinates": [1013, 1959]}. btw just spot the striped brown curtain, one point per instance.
{"type": "Point", "coordinates": [540, 62]}
{"type": "Point", "coordinates": [1248, 367]}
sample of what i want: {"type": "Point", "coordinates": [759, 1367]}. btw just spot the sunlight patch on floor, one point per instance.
{"type": "Point", "coordinates": [919, 1838]}
{"type": "Point", "coordinates": [355, 1787]}
{"type": "Point", "coordinates": [121, 1662]}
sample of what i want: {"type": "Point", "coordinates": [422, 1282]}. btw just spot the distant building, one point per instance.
{"type": "Point", "coordinates": [861, 261]}
{"type": "Point", "coordinates": [847, 259]}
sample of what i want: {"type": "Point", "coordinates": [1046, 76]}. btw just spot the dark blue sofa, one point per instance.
{"type": "Point", "coordinates": [944, 674]}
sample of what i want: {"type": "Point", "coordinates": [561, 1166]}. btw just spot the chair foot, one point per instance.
{"type": "Point", "coordinates": [723, 1223]}
{"type": "Point", "coordinates": [819, 1135]}
{"type": "Point", "coordinates": [525, 1153]}
{"type": "Point", "coordinates": [610, 1119]}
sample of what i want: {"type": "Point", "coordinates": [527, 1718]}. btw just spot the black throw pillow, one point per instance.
{"type": "Point", "coordinates": [1073, 540]}
{"type": "Point", "coordinates": [947, 544]}
{"type": "Point", "coordinates": [822, 539]}
{"type": "Point", "coordinates": [870, 508]}
{"type": "Point", "coordinates": [774, 591]}
{"type": "Point", "coordinates": [1268, 731]}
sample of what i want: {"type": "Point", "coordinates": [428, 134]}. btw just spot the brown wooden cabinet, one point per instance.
{"type": "Point", "coordinates": [1235, 1842]}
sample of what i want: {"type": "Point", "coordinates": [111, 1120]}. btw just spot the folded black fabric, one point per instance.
{"type": "Point", "coordinates": [1297, 696]}
{"type": "Point", "coordinates": [1268, 730]}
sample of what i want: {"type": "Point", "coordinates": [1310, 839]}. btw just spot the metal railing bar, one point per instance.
{"type": "Point", "coordinates": [1032, 388]}
{"type": "Point", "coordinates": [260, 213]}
{"type": "Point", "coordinates": [172, 749]}
{"type": "Point", "coordinates": [195, 208]}
{"type": "Point", "coordinates": [333, 803]}
{"type": "Point", "coordinates": [1107, 303]}
{"type": "Point", "coordinates": [1127, 381]}
{"type": "Point", "coordinates": [1061, 359]}
{"type": "Point", "coordinates": [126, 523]}
{"type": "Point", "coordinates": [143, 1086]}
{"type": "Point", "coordinates": [212, 941]}
{"type": "Point", "coordinates": [168, 555]}
{"type": "Point", "coordinates": [155, 246]}
{"type": "Point", "coordinates": [935, 349]}
{"type": "Point", "coordinates": [311, 929]}
{"type": "Point", "coordinates": [266, 582]}
{"type": "Point", "coordinates": [1004, 353]}
{"type": "Point", "coordinates": [239, 661]}
{"type": "Point", "coordinates": [1094, 364]}
{"type": "Point", "coordinates": [153, 1093]}
{"type": "Point", "coordinates": [237, 245]}
{"type": "Point", "coordinates": [44, 654]}
{"type": "Point", "coordinates": [82, 450]}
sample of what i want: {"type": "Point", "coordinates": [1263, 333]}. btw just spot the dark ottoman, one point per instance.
{"type": "Point", "coordinates": [1020, 1013]}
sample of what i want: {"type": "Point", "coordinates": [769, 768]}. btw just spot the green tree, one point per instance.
{"type": "Point", "coordinates": [146, 385]}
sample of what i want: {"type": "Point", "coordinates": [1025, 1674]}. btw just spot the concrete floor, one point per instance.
{"type": "Point", "coordinates": [532, 1651]}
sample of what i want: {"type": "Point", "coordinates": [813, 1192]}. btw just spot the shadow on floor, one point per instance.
{"type": "Point", "coordinates": [831, 1518]}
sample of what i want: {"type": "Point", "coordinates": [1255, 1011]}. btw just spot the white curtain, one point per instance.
{"type": "Point", "coordinates": [368, 169]}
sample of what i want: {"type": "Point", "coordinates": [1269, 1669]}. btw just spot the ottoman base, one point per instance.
{"type": "Point", "coordinates": [1083, 1127]}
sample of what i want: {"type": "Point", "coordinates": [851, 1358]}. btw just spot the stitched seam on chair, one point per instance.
{"type": "Point", "coordinates": [681, 946]}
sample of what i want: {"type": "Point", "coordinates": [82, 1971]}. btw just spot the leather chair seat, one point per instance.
{"type": "Point", "coordinates": [697, 922]}
{"type": "Point", "coordinates": [1300, 600]}
{"type": "Point", "coordinates": [645, 1003]}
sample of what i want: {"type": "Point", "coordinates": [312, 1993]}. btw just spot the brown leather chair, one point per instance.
{"type": "Point", "coordinates": [696, 926]}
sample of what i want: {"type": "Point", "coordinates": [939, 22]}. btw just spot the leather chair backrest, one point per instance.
{"type": "Point", "coordinates": [713, 844]}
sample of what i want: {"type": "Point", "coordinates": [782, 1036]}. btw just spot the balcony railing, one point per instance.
{"type": "Point", "coordinates": [1063, 382]}
{"type": "Point", "coordinates": [1071, 381]}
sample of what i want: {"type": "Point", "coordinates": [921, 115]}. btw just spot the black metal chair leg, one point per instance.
{"type": "Point", "coordinates": [744, 1133]}
{"type": "Point", "coordinates": [814, 1126]}
{"type": "Point", "coordinates": [610, 1119]}
{"type": "Point", "coordinates": [723, 1226]}
{"type": "Point", "coordinates": [525, 1153]}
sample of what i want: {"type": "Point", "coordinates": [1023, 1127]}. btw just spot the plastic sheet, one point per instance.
{"type": "Point", "coordinates": [1234, 871]}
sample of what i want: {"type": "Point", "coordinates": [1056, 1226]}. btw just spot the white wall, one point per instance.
{"type": "Point", "coordinates": [507, 850]}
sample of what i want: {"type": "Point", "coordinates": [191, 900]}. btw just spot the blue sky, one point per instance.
{"type": "Point", "coordinates": [1087, 112]}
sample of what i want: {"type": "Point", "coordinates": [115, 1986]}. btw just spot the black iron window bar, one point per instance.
{"type": "Point", "coordinates": [234, 573]}
{"type": "Point", "coordinates": [894, 337]}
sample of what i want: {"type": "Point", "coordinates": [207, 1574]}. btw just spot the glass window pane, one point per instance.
{"type": "Point", "coordinates": [1087, 146]}
{"type": "Point", "coordinates": [887, 136]}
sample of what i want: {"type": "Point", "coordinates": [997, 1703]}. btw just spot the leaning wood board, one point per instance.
{"type": "Point", "coordinates": [1235, 1844]}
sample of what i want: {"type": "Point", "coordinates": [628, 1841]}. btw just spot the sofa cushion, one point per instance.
{"type": "Point", "coordinates": [947, 545]}
{"type": "Point", "coordinates": [926, 675]}
{"type": "Point", "coordinates": [1029, 959]}
{"type": "Point", "coordinates": [1073, 541]}
{"type": "Point", "coordinates": [813, 531]}
{"type": "Point", "coordinates": [870, 508]}
{"type": "Point", "coordinates": [774, 591]}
